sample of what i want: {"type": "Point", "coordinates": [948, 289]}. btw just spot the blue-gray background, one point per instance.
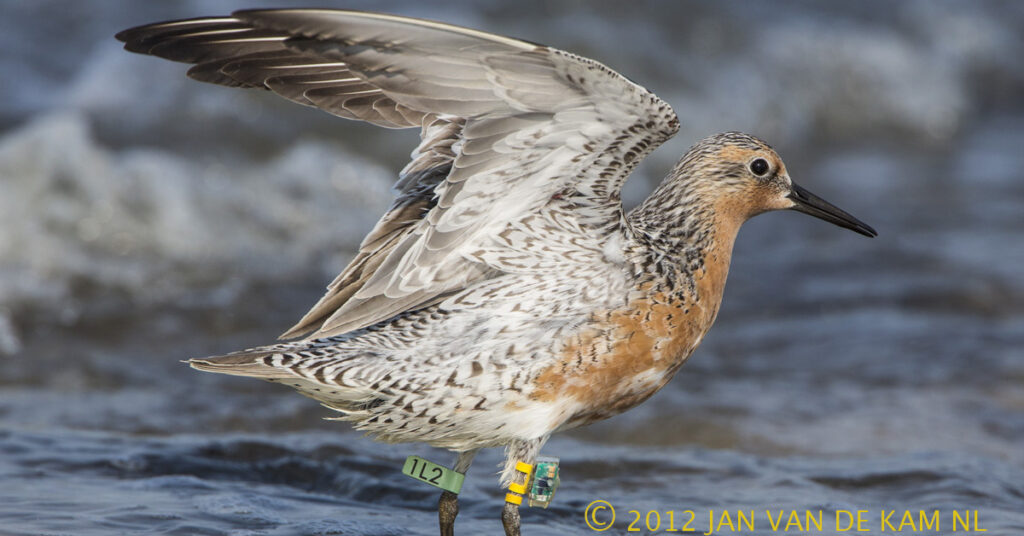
{"type": "Point", "coordinates": [146, 218]}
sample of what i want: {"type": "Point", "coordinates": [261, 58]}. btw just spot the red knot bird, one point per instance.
{"type": "Point", "coordinates": [505, 295]}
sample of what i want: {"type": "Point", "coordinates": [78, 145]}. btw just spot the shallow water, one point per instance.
{"type": "Point", "coordinates": [146, 218]}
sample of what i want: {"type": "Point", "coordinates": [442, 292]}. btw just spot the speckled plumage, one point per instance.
{"type": "Point", "coordinates": [505, 295]}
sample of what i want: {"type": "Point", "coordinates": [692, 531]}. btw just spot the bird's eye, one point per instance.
{"type": "Point", "coordinates": [759, 167]}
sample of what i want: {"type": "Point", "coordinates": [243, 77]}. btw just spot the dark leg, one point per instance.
{"type": "Point", "coordinates": [448, 505]}
{"type": "Point", "coordinates": [447, 509]}
{"type": "Point", "coordinates": [510, 519]}
{"type": "Point", "coordinates": [517, 451]}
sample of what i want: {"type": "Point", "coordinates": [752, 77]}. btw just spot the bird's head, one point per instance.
{"type": "Point", "coordinates": [745, 177]}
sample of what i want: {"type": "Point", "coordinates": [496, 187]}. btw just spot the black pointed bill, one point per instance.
{"type": "Point", "coordinates": [809, 203]}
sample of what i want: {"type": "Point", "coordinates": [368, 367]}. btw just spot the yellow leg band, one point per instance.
{"type": "Point", "coordinates": [525, 468]}
{"type": "Point", "coordinates": [513, 498]}
{"type": "Point", "coordinates": [516, 487]}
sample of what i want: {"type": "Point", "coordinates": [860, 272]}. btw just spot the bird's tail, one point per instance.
{"type": "Point", "coordinates": [256, 363]}
{"type": "Point", "coordinates": [273, 364]}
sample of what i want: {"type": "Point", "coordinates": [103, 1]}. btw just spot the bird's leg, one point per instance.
{"type": "Point", "coordinates": [448, 505]}
{"type": "Point", "coordinates": [517, 451]}
{"type": "Point", "coordinates": [447, 509]}
{"type": "Point", "coordinates": [510, 519]}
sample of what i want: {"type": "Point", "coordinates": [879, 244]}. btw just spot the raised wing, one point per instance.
{"type": "Point", "coordinates": [506, 125]}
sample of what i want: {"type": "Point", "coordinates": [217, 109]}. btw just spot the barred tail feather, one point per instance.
{"type": "Point", "coordinates": [273, 366]}
{"type": "Point", "coordinates": [252, 363]}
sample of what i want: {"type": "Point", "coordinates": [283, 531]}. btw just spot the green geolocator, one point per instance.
{"type": "Point", "coordinates": [433, 474]}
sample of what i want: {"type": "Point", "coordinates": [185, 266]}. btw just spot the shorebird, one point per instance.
{"type": "Point", "coordinates": [506, 294]}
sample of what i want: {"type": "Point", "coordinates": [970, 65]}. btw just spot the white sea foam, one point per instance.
{"type": "Point", "coordinates": [73, 212]}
